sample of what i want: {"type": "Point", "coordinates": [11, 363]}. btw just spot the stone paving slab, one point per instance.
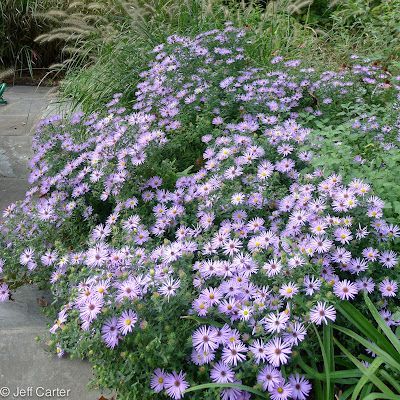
{"type": "Point", "coordinates": [23, 310]}
{"type": "Point", "coordinates": [22, 106]}
{"type": "Point", "coordinates": [17, 121]}
{"type": "Point", "coordinates": [25, 363]}
{"type": "Point", "coordinates": [11, 189]}
{"type": "Point", "coordinates": [13, 125]}
{"type": "Point", "coordinates": [15, 153]}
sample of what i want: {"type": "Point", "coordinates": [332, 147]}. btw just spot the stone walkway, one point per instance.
{"type": "Point", "coordinates": [25, 363]}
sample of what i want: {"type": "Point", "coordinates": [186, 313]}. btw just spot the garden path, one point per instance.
{"type": "Point", "coordinates": [24, 362]}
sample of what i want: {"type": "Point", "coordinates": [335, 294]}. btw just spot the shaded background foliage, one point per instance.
{"type": "Point", "coordinates": [20, 24]}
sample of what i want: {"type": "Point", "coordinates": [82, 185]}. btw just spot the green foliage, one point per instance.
{"type": "Point", "coordinates": [84, 27]}
{"type": "Point", "coordinates": [372, 27]}
{"type": "Point", "coordinates": [336, 374]}
{"type": "Point", "coordinates": [361, 153]}
{"type": "Point", "coordinates": [321, 32]}
{"type": "Point", "coordinates": [382, 372]}
{"type": "Point", "coordinates": [19, 26]}
{"type": "Point", "coordinates": [143, 26]}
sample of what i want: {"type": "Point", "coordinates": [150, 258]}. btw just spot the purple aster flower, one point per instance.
{"type": "Point", "coordinates": [258, 350]}
{"type": "Point", "coordinates": [175, 384]}
{"type": "Point", "coordinates": [127, 321]}
{"type": "Point", "coordinates": [97, 256]}
{"type": "Point", "coordinates": [4, 292]}
{"type": "Point", "coordinates": [275, 323]}
{"type": "Point", "coordinates": [91, 308]}
{"type": "Point", "coordinates": [62, 317]}
{"type": "Point", "coordinates": [388, 288]}
{"type": "Point", "coordinates": [269, 377]}
{"type": "Point", "coordinates": [311, 285]}
{"type": "Point", "coordinates": [388, 259]}
{"type": "Point", "coordinates": [345, 289]}
{"type": "Point", "coordinates": [321, 313]}
{"type": "Point", "coordinates": [232, 355]}
{"type": "Point", "coordinates": [366, 284]}
{"type": "Point", "coordinates": [205, 339]}
{"type": "Point", "coordinates": [27, 256]}
{"type": "Point", "coordinates": [301, 387]}
{"type": "Point", "coordinates": [169, 287]}
{"type": "Point", "coordinates": [295, 333]}
{"type": "Point", "coordinates": [221, 373]}
{"type": "Point", "coordinates": [157, 382]}
{"type": "Point", "coordinates": [281, 391]}
{"type": "Point", "coordinates": [109, 332]}
{"type": "Point", "coordinates": [278, 352]}
{"type": "Point", "coordinates": [59, 350]}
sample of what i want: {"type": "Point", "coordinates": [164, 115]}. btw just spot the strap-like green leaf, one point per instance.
{"type": "Point", "coordinates": [373, 378]}
{"type": "Point", "coordinates": [364, 325]}
{"type": "Point", "coordinates": [393, 381]}
{"type": "Point", "coordinates": [381, 396]}
{"type": "Point", "coordinates": [382, 324]}
{"type": "Point", "coordinates": [334, 376]}
{"type": "Point", "coordinates": [347, 393]}
{"type": "Point", "coordinates": [325, 357]}
{"type": "Point", "coordinates": [365, 379]}
{"type": "Point", "coordinates": [388, 358]}
{"type": "Point", "coordinates": [226, 386]}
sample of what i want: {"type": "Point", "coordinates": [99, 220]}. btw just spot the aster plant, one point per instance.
{"type": "Point", "coordinates": [191, 243]}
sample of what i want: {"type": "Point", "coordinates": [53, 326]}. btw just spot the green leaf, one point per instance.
{"type": "Point", "coordinates": [185, 172]}
{"type": "Point", "coordinates": [205, 321]}
{"type": "Point", "coordinates": [327, 371]}
{"type": "Point", "coordinates": [330, 355]}
{"type": "Point", "coordinates": [366, 390]}
{"type": "Point", "coordinates": [381, 396]}
{"type": "Point", "coordinates": [335, 376]}
{"type": "Point", "coordinates": [393, 381]}
{"type": "Point", "coordinates": [365, 379]}
{"type": "Point", "coordinates": [382, 324]}
{"type": "Point", "coordinates": [372, 346]}
{"type": "Point", "coordinates": [346, 394]}
{"type": "Point", "coordinates": [372, 377]}
{"type": "Point", "coordinates": [225, 386]}
{"type": "Point", "coordinates": [364, 326]}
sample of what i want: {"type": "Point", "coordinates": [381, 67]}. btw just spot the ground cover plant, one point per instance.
{"type": "Point", "coordinates": [200, 243]}
{"type": "Point", "coordinates": [323, 33]}
{"type": "Point", "coordinates": [139, 26]}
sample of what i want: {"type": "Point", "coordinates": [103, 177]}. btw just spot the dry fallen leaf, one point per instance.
{"type": "Point", "coordinates": [43, 303]}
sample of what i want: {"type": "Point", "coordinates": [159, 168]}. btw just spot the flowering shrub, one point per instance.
{"type": "Point", "coordinates": [192, 240]}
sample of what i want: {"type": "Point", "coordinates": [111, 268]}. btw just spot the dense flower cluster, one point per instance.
{"type": "Point", "coordinates": [264, 244]}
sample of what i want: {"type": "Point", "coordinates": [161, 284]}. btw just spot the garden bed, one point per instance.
{"type": "Point", "coordinates": [218, 237]}
{"type": "Point", "coordinates": [218, 216]}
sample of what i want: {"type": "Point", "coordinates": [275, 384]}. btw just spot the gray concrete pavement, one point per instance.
{"type": "Point", "coordinates": [17, 120]}
{"type": "Point", "coordinates": [25, 363]}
